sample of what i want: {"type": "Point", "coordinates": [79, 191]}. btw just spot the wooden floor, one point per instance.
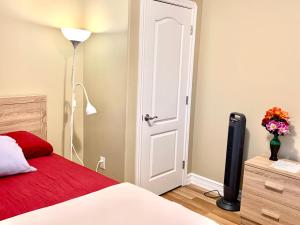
{"type": "Point", "coordinates": [192, 197]}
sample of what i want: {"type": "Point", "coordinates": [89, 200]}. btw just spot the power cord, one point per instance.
{"type": "Point", "coordinates": [208, 194]}
{"type": "Point", "coordinates": [98, 164]}
{"type": "Point", "coordinates": [77, 156]}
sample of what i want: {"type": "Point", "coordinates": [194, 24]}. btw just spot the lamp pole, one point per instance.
{"type": "Point", "coordinates": [73, 101]}
{"type": "Point", "coordinates": [76, 36]}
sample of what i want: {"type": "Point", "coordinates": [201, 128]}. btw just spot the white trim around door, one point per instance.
{"type": "Point", "coordinates": [143, 9]}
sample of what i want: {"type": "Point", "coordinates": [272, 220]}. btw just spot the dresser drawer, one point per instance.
{"type": "Point", "coordinates": [248, 222]}
{"type": "Point", "coordinates": [266, 212]}
{"type": "Point", "coordinates": [275, 187]}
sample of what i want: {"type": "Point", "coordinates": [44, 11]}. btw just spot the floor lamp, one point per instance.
{"type": "Point", "coordinates": [77, 36]}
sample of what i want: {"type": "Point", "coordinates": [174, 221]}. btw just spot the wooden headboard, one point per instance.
{"type": "Point", "coordinates": [27, 113]}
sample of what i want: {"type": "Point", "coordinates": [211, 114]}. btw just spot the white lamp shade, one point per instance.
{"type": "Point", "coordinates": [90, 109]}
{"type": "Point", "coordinates": [74, 34]}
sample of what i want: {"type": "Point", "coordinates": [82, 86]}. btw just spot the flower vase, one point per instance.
{"type": "Point", "coordinates": [275, 146]}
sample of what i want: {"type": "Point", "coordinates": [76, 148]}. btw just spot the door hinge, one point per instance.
{"type": "Point", "coordinates": [187, 100]}
{"type": "Point", "coordinates": [183, 164]}
{"type": "Point", "coordinates": [192, 30]}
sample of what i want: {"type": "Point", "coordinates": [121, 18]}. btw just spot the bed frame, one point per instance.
{"type": "Point", "coordinates": [27, 113]}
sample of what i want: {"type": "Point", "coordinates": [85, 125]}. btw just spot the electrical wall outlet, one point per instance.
{"type": "Point", "coordinates": [102, 162]}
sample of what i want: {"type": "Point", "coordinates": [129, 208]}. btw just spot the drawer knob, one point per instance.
{"type": "Point", "coordinates": [270, 214]}
{"type": "Point", "coordinates": [274, 186]}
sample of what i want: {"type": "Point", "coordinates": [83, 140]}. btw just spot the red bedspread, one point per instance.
{"type": "Point", "coordinates": [57, 180]}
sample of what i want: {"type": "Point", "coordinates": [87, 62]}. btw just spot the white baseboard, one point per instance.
{"type": "Point", "coordinates": [204, 182]}
{"type": "Point", "coordinates": [207, 183]}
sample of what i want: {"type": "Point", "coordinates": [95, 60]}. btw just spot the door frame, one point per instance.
{"type": "Point", "coordinates": [144, 5]}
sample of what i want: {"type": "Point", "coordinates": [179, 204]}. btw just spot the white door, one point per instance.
{"type": "Point", "coordinates": [166, 72]}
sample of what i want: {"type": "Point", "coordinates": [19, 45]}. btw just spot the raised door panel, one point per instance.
{"type": "Point", "coordinates": [163, 154]}
{"type": "Point", "coordinates": [167, 69]}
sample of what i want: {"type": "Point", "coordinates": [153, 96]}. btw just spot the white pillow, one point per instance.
{"type": "Point", "coordinates": [12, 160]}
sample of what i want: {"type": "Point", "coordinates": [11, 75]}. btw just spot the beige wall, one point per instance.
{"type": "Point", "coordinates": [194, 84]}
{"type": "Point", "coordinates": [106, 16]}
{"type": "Point", "coordinates": [131, 92]}
{"type": "Point", "coordinates": [105, 77]}
{"type": "Point", "coordinates": [35, 58]}
{"type": "Point", "coordinates": [50, 13]}
{"type": "Point", "coordinates": [105, 65]}
{"type": "Point", "coordinates": [249, 61]}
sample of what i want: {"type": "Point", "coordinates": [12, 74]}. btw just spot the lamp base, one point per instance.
{"type": "Point", "coordinates": [229, 206]}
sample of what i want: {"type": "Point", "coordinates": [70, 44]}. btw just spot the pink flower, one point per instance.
{"type": "Point", "coordinates": [272, 126]}
{"type": "Point", "coordinates": [283, 128]}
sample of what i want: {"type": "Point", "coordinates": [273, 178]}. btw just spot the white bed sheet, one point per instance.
{"type": "Point", "coordinates": [122, 204]}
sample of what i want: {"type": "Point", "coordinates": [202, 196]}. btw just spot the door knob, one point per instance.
{"type": "Point", "coordinates": [149, 118]}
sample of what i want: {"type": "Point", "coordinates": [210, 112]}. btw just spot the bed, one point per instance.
{"type": "Point", "coordinates": [62, 192]}
{"type": "Point", "coordinates": [58, 179]}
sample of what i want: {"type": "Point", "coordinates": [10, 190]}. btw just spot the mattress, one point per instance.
{"type": "Point", "coordinates": [56, 180]}
{"type": "Point", "coordinates": [121, 204]}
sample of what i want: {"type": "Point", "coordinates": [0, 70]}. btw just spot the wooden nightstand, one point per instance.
{"type": "Point", "coordinates": [269, 196]}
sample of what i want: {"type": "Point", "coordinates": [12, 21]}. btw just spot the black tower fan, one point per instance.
{"type": "Point", "coordinates": [234, 158]}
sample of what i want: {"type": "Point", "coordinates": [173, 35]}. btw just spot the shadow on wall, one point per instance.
{"type": "Point", "coordinates": [67, 53]}
{"type": "Point", "coordinates": [245, 153]}
{"type": "Point", "coordinates": [66, 109]}
{"type": "Point", "coordinates": [288, 149]}
{"type": "Point", "coordinates": [246, 145]}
